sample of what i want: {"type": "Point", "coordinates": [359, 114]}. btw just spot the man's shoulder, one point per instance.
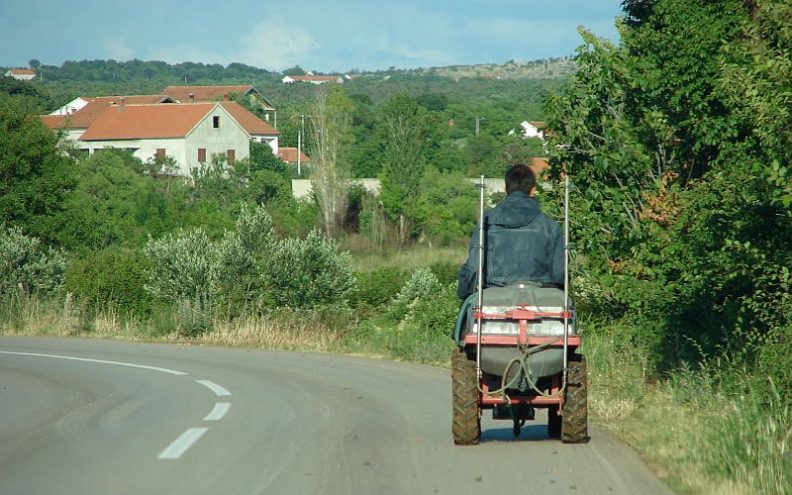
{"type": "Point", "coordinates": [548, 222]}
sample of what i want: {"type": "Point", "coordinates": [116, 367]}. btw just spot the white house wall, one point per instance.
{"type": "Point", "coordinates": [71, 107]}
{"type": "Point", "coordinates": [216, 141]}
{"type": "Point", "coordinates": [272, 141]}
{"type": "Point", "coordinates": [145, 149]}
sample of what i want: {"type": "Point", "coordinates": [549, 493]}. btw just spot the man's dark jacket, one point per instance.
{"type": "Point", "coordinates": [523, 245]}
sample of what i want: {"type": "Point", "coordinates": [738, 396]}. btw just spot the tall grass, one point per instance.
{"type": "Point", "coordinates": [712, 430]}
{"type": "Point", "coordinates": [32, 316]}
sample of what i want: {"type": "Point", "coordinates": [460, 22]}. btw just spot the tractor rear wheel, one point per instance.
{"type": "Point", "coordinates": [574, 422]}
{"type": "Point", "coordinates": [466, 422]}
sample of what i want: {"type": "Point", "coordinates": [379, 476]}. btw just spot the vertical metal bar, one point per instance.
{"type": "Point", "coordinates": [566, 279]}
{"type": "Point", "coordinates": [480, 276]}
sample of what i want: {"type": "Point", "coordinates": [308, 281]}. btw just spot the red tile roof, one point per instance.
{"type": "Point", "coordinates": [539, 166]}
{"type": "Point", "coordinates": [54, 121]}
{"type": "Point", "coordinates": [248, 120]}
{"type": "Point", "coordinates": [290, 155]}
{"type": "Point", "coordinates": [146, 121]}
{"type": "Point", "coordinates": [23, 72]}
{"type": "Point", "coordinates": [83, 118]}
{"type": "Point", "coordinates": [205, 93]}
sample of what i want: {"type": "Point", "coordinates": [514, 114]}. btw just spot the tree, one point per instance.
{"type": "Point", "coordinates": [35, 177]}
{"type": "Point", "coordinates": [330, 132]}
{"type": "Point", "coordinates": [403, 161]}
{"type": "Point", "coordinates": [678, 144]}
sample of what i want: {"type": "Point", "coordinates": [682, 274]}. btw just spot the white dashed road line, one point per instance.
{"type": "Point", "coordinates": [100, 361]}
{"type": "Point", "coordinates": [217, 389]}
{"type": "Point", "coordinates": [181, 444]}
{"type": "Point", "coordinates": [220, 410]}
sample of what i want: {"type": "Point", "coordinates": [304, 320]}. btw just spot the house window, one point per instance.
{"type": "Point", "coordinates": [231, 156]}
{"type": "Point", "coordinates": [216, 121]}
{"type": "Point", "coordinates": [201, 155]}
{"type": "Point", "coordinates": [160, 154]}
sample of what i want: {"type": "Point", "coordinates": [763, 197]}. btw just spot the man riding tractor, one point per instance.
{"type": "Point", "coordinates": [516, 342]}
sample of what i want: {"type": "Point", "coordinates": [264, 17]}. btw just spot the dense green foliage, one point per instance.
{"type": "Point", "coordinates": [678, 144]}
{"type": "Point", "coordinates": [679, 205]}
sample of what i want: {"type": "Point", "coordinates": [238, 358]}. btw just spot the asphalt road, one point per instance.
{"type": "Point", "coordinates": [101, 417]}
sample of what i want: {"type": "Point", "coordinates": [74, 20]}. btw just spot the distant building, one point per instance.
{"type": "Point", "coordinates": [312, 79]}
{"type": "Point", "coordinates": [190, 134]}
{"type": "Point", "coordinates": [532, 129]}
{"type": "Point", "coordinates": [81, 102]}
{"type": "Point", "coordinates": [21, 74]}
{"type": "Point", "coordinates": [289, 155]}
{"type": "Point", "coordinates": [81, 112]}
{"type": "Point", "coordinates": [190, 94]}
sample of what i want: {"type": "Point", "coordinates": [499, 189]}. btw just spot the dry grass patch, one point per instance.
{"type": "Point", "coordinates": [265, 333]}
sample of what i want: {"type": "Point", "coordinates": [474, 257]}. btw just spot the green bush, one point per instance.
{"type": "Point", "coordinates": [426, 310]}
{"type": "Point", "coordinates": [112, 278]}
{"type": "Point", "coordinates": [307, 273]}
{"type": "Point", "coordinates": [239, 285]}
{"type": "Point", "coordinates": [246, 271]}
{"type": "Point", "coordinates": [183, 267]}
{"type": "Point", "coordinates": [378, 287]}
{"type": "Point", "coordinates": [28, 266]}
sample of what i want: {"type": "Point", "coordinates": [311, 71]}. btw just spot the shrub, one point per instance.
{"type": "Point", "coordinates": [25, 264]}
{"type": "Point", "coordinates": [307, 273]}
{"type": "Point", "coordinates": [114, 277]}
{"type": "Point", "coordinates": [379, 286]}
{"type": "Point", "coordinates": [426, 310]}
{"type": "Point", "coordinates": [183, 266]}
{"type": "Point", "coordinates": [239, 283]}
{"type": "Point", "coordinates": [422, 283]}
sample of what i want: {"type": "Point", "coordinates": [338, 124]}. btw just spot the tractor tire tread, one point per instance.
{"type": "Point", "coordinates": [466, 422]}
{"type": "Point", "coordinates": [574, 422]}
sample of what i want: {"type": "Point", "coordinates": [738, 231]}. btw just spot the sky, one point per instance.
{"type": "Point", "coordinates": [322, 35]}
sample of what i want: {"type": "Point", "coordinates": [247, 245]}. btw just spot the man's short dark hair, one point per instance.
{"type": "Point", "coordinates": [520, 177]}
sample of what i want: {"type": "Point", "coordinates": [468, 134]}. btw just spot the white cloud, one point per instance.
{"type": "Point", "coordinates": [424, 56]}
{"type": "Point", "coordinates": [273, 44]}
{"type": "Point", "coordinates": [118, 49]}
{"type": "Point", "coordinates": [174, 54]}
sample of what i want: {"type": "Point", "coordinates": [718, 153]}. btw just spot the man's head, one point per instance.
{"type": "Point", "coordinates": [520, 178]}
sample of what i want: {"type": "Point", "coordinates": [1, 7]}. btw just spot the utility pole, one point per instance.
{"type": "Point", "coordinates": [299, 153]}
{"type": "Point", "coordinates": [299, 144]}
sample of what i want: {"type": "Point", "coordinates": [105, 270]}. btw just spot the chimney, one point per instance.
{"type": "Point", "coordinates": [225, 97]}
{"type": "Point", "coordinates": [192, 97]}
{"type": "Point", "coordinates": [121, 101]}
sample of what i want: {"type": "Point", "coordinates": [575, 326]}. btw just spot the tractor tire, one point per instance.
{"type": "Point", "coordinates": [553, 422]}
{"type": "Point", "coordinates": [466, 422]}
{"type": "Point", "coordinates": [574, 422]}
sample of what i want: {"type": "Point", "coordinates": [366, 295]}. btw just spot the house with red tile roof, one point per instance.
{"type": "Point", "coordinates": [21, 74]}
{"type": "Point", "coordinates": [88, 108]}
{"type": "Point", "coordinates": [190, 133]}
{"type": "Point", "coordinates": [81, 102]}
{"type": "Point", "coordinates": [291, 155]}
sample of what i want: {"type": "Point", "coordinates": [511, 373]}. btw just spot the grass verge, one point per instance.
{"type": "Point", "coordinates": [716, 430]}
